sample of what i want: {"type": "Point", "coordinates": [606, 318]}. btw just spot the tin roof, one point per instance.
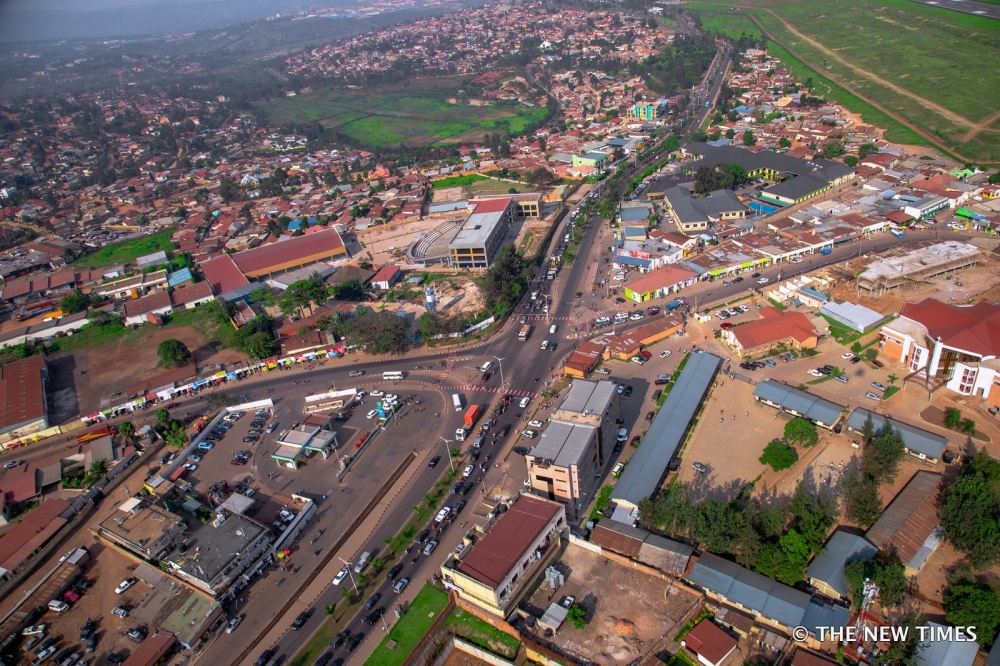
{"type": "Point", "coordinates": [910, 519]}
{"type": "Point", "coordinates": [22, 392]}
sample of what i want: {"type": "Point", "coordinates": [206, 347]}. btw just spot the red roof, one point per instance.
{"type": "Point", "coordinates": [193, 292]}
{"type": "Point", "coordinates": [491, 205]}
{"type": "Point", "coordinates": [507, 543]}
{"type": "Point", "coordinates": [31, 533]}
{"type": "Point", "coordinates": [709, 642]}
{"type": "Point", "coordinates": [19, 487]}
{"type": "Point", "coordinates": [273, 255]}
{"type": "Point", "coordinates": [22, 392]}
{"type": "Point", "coordinates": [385, 274]}
{"type": "Point", "coordinates": [974, 329]}
{"type": "Point", "coordinates": [661, 278]}
{"type": "Point", "coordinates": [223, 274]}
{"type": "Point", "coordinates": [151, 651]}
{"type": "Point", "coordinates": [774, 326]}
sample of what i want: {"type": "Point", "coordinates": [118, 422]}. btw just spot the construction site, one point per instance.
{"type": "Point", "coordinates": [916, 269]}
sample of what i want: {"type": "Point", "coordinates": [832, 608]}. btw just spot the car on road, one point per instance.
{"type": "Point", "coordinates": [124, 585]}
{"type": "Point", "coordinates": [341, 638]}
{"type": "Point", "coordinates": [738, 280]}
{"type": "Point", "coordinates": [341, 575]}
{"type": "Point", "coordinates": [250, 439]}
{"type": "Point", "coordinates": [238, 462]}
{"type": "Point", "coordinates": [431, 545]}
{"type": "Point", "coordinates": [374, 616]}
{"type": "Point", "coordinates": [468, 470]}
{"type": "Point", "coordinates": [524, 402]}
{"type": "Point", "coordinates": [357, 373]}
{"type": "Point", "coordinates": [503, 431]}
{"type": "Point", "coordinates": [13, 463]}
{"type": "Point", "coordinates": [700, 467]}
{"type": "Point", "coordinates": [324, 659]}
{"type": "Point", "coordinates": [300, 620]}
{"type": "Point", "coordinates": [235, 622]}
{"type": "Point", "coordinates": [377, 394]}
{"type": "Point", "coordinates": [372, 600]}
{"type": "Point", "coordinates": [401, 585]}
{"type": "Point", "coordinates": [755, 275]}
{"type": "Point", "coordinates": [762, 280]}
{"type": "Point", "coordinates": [372, 414]}
{"type": "Point", "coordinates": [880, 387]}
{"type": "Point", "coordinates": [873, 396]}
{"type": "Point", "coordinates": [274, 424]}
{"type": "Point", "coordinates": [393, 572]}
{"type": "Point", "coordinates": [355, 640]}
{"type": "Point", "coordinates": [486, 377]}
{"type": "Point", "coordinates": [727, 283]}
{"type": "Point", "coordinates": [434, 461]}
{"type": "Point", "coordinates": [442, 515]}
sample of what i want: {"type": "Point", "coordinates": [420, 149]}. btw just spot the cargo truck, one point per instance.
{"type": "Point", "coordinates": [523, 334]}
{"type": "Point", "coordinates": [471, 415]}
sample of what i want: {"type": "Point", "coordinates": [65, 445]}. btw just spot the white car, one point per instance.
{"type": "Point", "coordinates": [848, 355]}
{"type": "Point", "coordinates": [665, 353]}
{"type": "Point", "coordinates": [535, 424]}
{"type": "Point", "coordinates": [124, 585]}
{"type": "Point", "coordinates": [360, 395]}
{"type": "Point", "coordinates": [762, 280]}
{"type": "Point", "coordinates": [372, 414]}
{"type": "Point", "coordinates": [235, 622]}
{"type": "Point", "coordinates": [341, 575]}
{"type": "Point", "coordinates": [815, 373]}
{"type": "Point", "coordinates": [468, 470]}
{"type": "Point", "coordinates": [194, 458]}
{"type": "Point", "coordinates": [617, 471]}
{"type": "Point", "coordinates": [603, 371]}
{"type": "Point", "coordinates": [529, 434]}
{"type": "Point", "coordinates": [390, 397]}
{"type": "Point", "coordinates": [442, 514]}
{"type": "Point", "coordinates": [377, 394]}
{"type": "Point", "coordinates": [190, 467]}
{"type": "Point", "coordinates": [524, 402]}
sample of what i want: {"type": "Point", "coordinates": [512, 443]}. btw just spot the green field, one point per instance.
{"type": "Point", "coordinates": [418, 114]}
{"type": "Point", "coordinates": [408, 631]}
{"type": "Point", "coordinates": [930, 65]}
{"type": "Point", "coordinates": [126, 251]}
{"type": "Point", "coordinates": [731, 25]}
{"type": "Point", "coordinates": [457, 181]}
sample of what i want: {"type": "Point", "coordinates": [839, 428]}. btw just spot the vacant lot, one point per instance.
{"type": "Point", "coordinates": [126, 251]}
{"type": "Point", "coordinates": [418, 114]}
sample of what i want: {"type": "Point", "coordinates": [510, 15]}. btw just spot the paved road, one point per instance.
{"type": "Point", "coordinates": [966, 6]}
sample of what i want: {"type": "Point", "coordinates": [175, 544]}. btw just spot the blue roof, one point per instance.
{"type": "Point", "coordinates": [842, 548]}
{"type": "Point", "coordinates": [633, 261]}
{"type": "Point", "coordinates": [177, 277]}
{"type": "Point", "coordinates": [301, 222]}
{"type": "Point", "coordinates": [819, 614]}
{"type": "Point", "coordinates": [815, 294]}
{"type": "Point", "coordinates": [743, 110]}
{"type": "Point", "coordinates": [799, 402]}
{"type": "Point", "coordinates": [634, 214]}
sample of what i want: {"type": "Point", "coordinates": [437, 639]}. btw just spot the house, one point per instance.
{"type": "Point", "coordinates": [948, 646]}
{"type": "Point", "coordinates": [584, 359]}
{"type": "Point", "coordinates": [709, 643]}
{"type": "Point", "coordinates": [660, 283]}
{"type": "Point", "coordinates": [954, 346]}
{"type": "Point", "coordinates": [775, 329]}
{"type": "Point", "coordinates": [386, 277]}
{"type": "Point", "coordinates": [826, 571]}
{"type": "Point", "coordinates": [910, 523]}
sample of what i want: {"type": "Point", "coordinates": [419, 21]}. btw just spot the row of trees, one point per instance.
{"type": "Point", "coordinates": [880, 457]}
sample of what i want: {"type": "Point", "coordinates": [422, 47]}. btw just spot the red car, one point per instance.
{"type": "Point", "coordinates": [725, 324]}
{"type": "Point", "coordinates": [646, 355]}
{"type": "Point", "coordinates": [635, 441]}
{"type": "Point", "coordinates": [71, 596]}
{"type": "Point", "coordinates": [239, 462]}
{"type": "Point", "coordinates": [173, 405]}
{"type": "Point", "coordinates": [486, 377]}
{"type": "Point", "coordinates": [878, 364]}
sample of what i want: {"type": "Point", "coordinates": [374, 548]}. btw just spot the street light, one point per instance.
{"type": "Point", "coordinates": [448, 449]}
{"type": "Point", "coordinates": [500, 363]}
{"type": "Point", "coordinates": [350, 575]}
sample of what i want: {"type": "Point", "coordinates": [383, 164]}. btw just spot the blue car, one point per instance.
{"type": "Point", "coordinates": [206, 445]}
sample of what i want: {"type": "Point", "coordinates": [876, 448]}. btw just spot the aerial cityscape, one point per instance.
{"type": "Point", "coordinates": [445, 332]}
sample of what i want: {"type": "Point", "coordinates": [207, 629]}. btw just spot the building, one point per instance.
{"type": "Point", "coordinates": [954, 650]}
{"type": "Point", "coordinates": [790, 400]}
{"type": "Point", "coordinates": [479, 240]}
{"type": "Point", "coordinates": [656, 551]}
{"type": "Point", "coordinates": [503, 566]}
{"type": "Point", "coordinates": [692, 213]}
{"type": "Point", "coordinates": [568, 462]}
{"type": "Point", "coordinates": [826, 571]}
{"type": "Point", "coordinates": [910, 523]}
{"type": "Point", "coordinates": [926, 207]}
{"type": "Point", "coordinates": [152, 650]}
{"type": "Point", "coordinates": [40, 527]}
{"type": "Point", "coordinates": [526, 204]}
{"type": "Point", "coordinates": [852, 315]}
{"type": "Point", "coordinates": [953, 346]}
{"type": "Point", "coordinates": [797, 179]}
{"type": "Point", "coordinates": [594, 158]}
{"type": "Point", "coordinates": [914, 269]}
{"type": "Point", "coordinates": [646, 110]}
{"type": "Point", "coordinates": [771, 602]}
{"type": "Point", "coordinates": [709, 643]}
{"type": "Point", "coordinates": [289, 254]}
{"type": "Point", "coordinates": [643, 475]}
{"type": "Point", "coordinates": [386, 277]}
{"type": "Point", "coordinates": [166, 302]}
{"type": "Point", "coordinates": [776, 329]}
{"type": "Point", "coordinates": [660, 283]}
{"type": "Point", "coordinates": [304, 439]}
{"type": "Point", "coordinates": [226, 279]}
{"type": "Point", "coordinates": [23, 401]}
{"type": "Point", "coordinates": [584, 360]}
{"type": "Point", "coordinates": [920, 443]}
{"type": "Point", "coordinates": [629, 344]}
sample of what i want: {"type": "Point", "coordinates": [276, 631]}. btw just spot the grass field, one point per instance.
{"type": "Point", "coordinates": [421, 614]}
{"type": "Point", "coordinates": [727, 24]}
{"type": "Point", "coordinates": [925, 63]}
{"type": "Point", "coordinates": [457, 181]}
{"type": "Point", "coordinates": [126, 251]}
{"type": "Point", "coordinates": [417, 114]}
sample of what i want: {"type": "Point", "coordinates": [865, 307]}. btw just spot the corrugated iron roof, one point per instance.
{"type": "Point", "coordinates": [911, 517]}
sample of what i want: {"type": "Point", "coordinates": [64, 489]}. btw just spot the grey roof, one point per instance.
{"type": "Point", "coordinates": [688, 208]}
{"type": "Point", "coordinates": [633, 214]}
{"type": "Point", "coordinates": [644, 472]}
{"type": "Point", "coordinates": [805, 404]}
{"type": "Point", "coordinates": [563, 443]}
{"type": "Point", "coordinates": [798, 187]}
{"type": "Point", "coordinates": [589, 397]}
{"type": "Point", "coordinates": [842, 548]}
{"type": "Point", "coordinates": [821, 614]}
{"type": "Point", "coordinates": [953, 653]}
{"type": "Point", "coordinates": [664, 554]}
{"type": "Point", "coordinates": [825, 170]}
{"type": "Point", "coordinates": [856, 316]}
{"type": "Point", "coordinates": [916, 440]}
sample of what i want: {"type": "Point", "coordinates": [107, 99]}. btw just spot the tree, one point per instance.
{"type": "Point", "coordinates": [126, 430]}
{"type": "Point", "coordinates": [862, 504]}
{"type": "Point", "coordinates": [952, 418]}
{"type": "Point", "coordinates": [778, 455]}
{"type": "Point", "coordinates": [379, 333]}
{"type": "Point", "coordinates": [730, 133]}
{"type": "Point", "coordinates": [783, 142]}
{"type": "Point", "coordinates": [893, 379]}
{"type": "Point", "coordinates": [173, 353]}
{"type": "Point", "coordinates": [504, 281]}
{"type": "Point", "coordinates": [833, 149]}
{"type": "Point", "coordinates": [800, 432]}
{"type": "Point", "coordinates": [577, 615]}
{"type": "Point", "coordinates": [541, 176]}
{"type": "Point", "coordinates": [162, 417]}
{"type": "Point", "coordinates": [968, 605]}
{"type": "Point", "coordinates": [970, 512]}
{"type": "Point", "coordinates": [98, 467]}
{"type": "Point", "coordinates": [886, 571]}
{"type": "Point", "coordinates": [882, 455]}
{"type": "Point", "coordinates": [301, 294]}
{"type": "Point", "coordinates": [851, 161]}
{"type": "Point", "coordinates": [748, 138]}
{"type": "Point", "coordinates": [74, 302]}
{"type": "Point", "coordinates": [349, 290]}
{"type": "Point", "coordinates": [967, 426]}
{"type": "Point", "coordinates": [329, 609]}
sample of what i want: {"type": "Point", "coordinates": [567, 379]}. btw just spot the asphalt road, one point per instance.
{"type": "Point", "coordinates": [966, 6]}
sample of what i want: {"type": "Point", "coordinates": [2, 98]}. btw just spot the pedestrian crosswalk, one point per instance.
{"type": "Point", "coordinates": [479, 388]}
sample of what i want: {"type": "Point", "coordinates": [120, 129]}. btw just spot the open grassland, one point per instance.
{"type": "Point", "coordinates": [730, 25]}
{"type": "Point", "coordinates": [417, 114]}
{"type": "Point", "coordinates": [126, 251]}
{"type": "Point", "coordinates": [929, 65]}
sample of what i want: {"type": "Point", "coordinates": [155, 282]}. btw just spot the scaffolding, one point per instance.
{"type": "Point", "coordinates": [917, 268]}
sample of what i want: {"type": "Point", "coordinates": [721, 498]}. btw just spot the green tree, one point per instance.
{"type": "Point", "coordinates": [173, 353]}
{"type": "Point", "coordinates": [577, 615]}
{"type": "Point", "coordinates": [968, 605]}
{"type": "Point", "coordinates": [176, 436]}
{"type": "Point", "coordinates": [833, 149]}
{"type": "Point", "coordinates": [748, 138]}
{"type": "Point", "coordinates": [882, 455]}
{"type": "Point", "coordinates": [801, 432]}
{"type": "Point", "coordinates": [778, 455]}
{"type": "Point", "coordinates": [379, 333]}
{"type": "Point", "coordinates": [886, 571]}
{"type": "Point", "coordinates": [851, 161]}
{"type": "Point", "coordinates": [504, 281]}
{"type": "Point", "coordinates": [74, 302]}
{"type": "Point", "coordinates": [893, 379]}
{"type": "Point", "coordinates": [126, 430]}
{"type": "Point", "coordinates": [349, 290]}
{"type": "Point", "coordinates": [857, 349]}
{"type": "Point", "coordinates": [783, 142]}
{"type": "Point", "coordinates": [329, 609]}
{"type": "Point", "coordinates": [98, 467]}
{"type": "Point", "coordinates": [970, 512]}
{"type": "Point", "coordinates": [304, 293]}
{"type": "Point", "coordinates": [967, 426]}
{"type": "Point", "coordinates": [162, 416]}
{"type": "Point", "coordinates": [730, 133]}
{"type": "Point", "coordinates": [952, 418]}
{"type": "Point", "coordinates": [859, 492]}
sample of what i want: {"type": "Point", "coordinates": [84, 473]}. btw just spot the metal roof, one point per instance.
{"type": "Point", "coordinates": [589, 397]}
{"type": "Point", "coordinates": [910, 519]}
{"type": "Point", "coordinates": [842, 548]}
{"type": "Point", "coordinates": [643, 474]}
{"type": "Point", "coordinates": [915, 439]}
{"type": "Point", "coordinates": [665, 554]}
{"type": "Point", "coordinates": [856, 316]}
{"type": "Point", "coordinates": [563, 443]}
{"type": "Point", "coordinates": [953, 653]}
{"type": "Point", "coordinates": [805, 404]}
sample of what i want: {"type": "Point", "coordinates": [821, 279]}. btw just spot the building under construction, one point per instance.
{"type": "Point", "coordinates": [917, 269]}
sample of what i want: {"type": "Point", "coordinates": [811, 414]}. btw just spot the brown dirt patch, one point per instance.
{"type": "Point", "coordinates": [935, 416]}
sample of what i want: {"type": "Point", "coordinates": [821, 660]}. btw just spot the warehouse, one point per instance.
{"type": "Point", "coordinates": [266, 260]}
{"type": "Point", "coordinates": [23, 403]}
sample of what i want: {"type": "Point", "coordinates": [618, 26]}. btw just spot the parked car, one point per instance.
{"type": "Point", "coordinates": [700, 467]}
{"type": "Point", "coordinates": [879, 386]}
{"type": "Point", "coordinates": [401, 585]}
{"type": "Point", "coordinates": [233, 623]}
{"type": "Point", "coordinates": [617, 471]}
{"type": "Point", "coordinates": [873, 396]}
{"type": "Point", "coordinates": [124, 585]}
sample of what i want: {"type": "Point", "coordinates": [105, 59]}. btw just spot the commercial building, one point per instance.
{"type": "Point", "coordinates": [152, 650]}
{"type": "Point", "coordinates": [483, 234]}
{"type": "Point", "coordinates": [791, 400]}
{"type": "Point", "coordinates": [692, 213]}
{"type": "Point", "coordinates": [226, 279]}
{"type": "Point", "coordinates": [947, 345]}
{"type": "Point", "coordinates": [644, 473]}
{"type": "Point", "coordinates": [826, 571]}
{"type": "Point", "coordinates": [36, 530]}
{"type": "Point", "coordinates": [920, 443]}
{"type": "Point", "coordinates": [497, 572]}
{"type": "Point", "coordinates": [629, 344]}
{"type": "Point", "coordinates": [304, 439]}
{"type": "Point", "coordinates": [915, 269]}
{"type": "Point", "coordinates": [798, 180]}
{"type": "Point", "coordinates": [568, 462]}
{"type": "Point", "coordinates": [775, 329]}
{"type": "Point", "coordinates": [910, 524]}
{"type": "Point", "coordinates": [660, 283]}
{"type": "Point", "coordinates": [647, 110]}
{"type": "Point", "coordinates": [594, 158]}
{"type": "Point", "coordinates": [656, 551]}
{"type": "Point", "coordinates": [584, 359]}
{"type": "Point", "coordinates": [23, 401]}
{"type": "Point", "coordinates": [286, 255]}
{"type": "Point", "coordinates": [852, 315]}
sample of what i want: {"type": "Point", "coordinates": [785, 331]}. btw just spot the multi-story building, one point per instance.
{"type": "Point", "coordinates": [567, 463]}
{"type": "Point", "coordinates": [646, 110]}
{"type": "Point", "coordinates": [948, 345]}
{"type": "Point", "coordinates": [481, 237]}
{"type": "Point", "coordinates": [503, 566]}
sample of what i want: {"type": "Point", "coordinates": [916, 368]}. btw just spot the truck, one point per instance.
{"type": "Point", "coordinates": [471, 415]}
{"type": "Point", "coordinates": [674, 304]}
{"type": "Point", "coordinates": [826, 250]}
{"type": "Point", "coordinates": [461, 434]}
{"type": "Point", "coordinates": [456, 399]}
{"type": "Point", "coordinates": [523, 334]}
{"type": "Point", "coordinates": [897, 233]}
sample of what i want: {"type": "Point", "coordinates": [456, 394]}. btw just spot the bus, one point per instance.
{"type": "Point", "coordinates": [896, 232]}
{"type": "Point", "coordinates": [393, 375]}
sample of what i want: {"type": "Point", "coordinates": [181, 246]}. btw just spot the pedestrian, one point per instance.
{"type": "Point", "coordinates": [748, 413]}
